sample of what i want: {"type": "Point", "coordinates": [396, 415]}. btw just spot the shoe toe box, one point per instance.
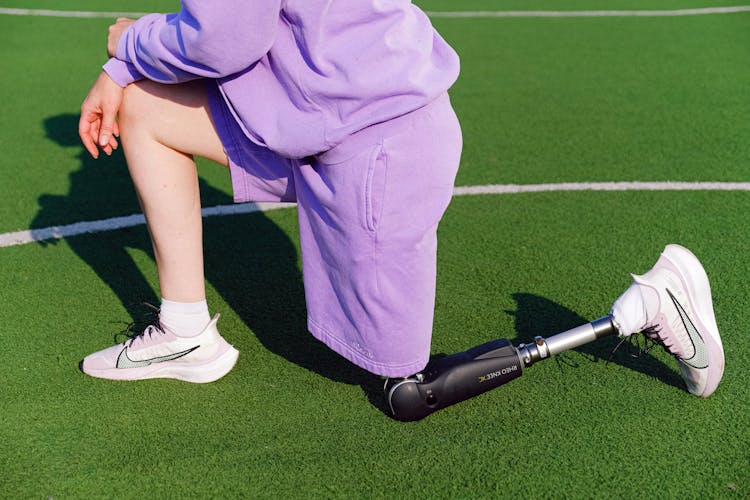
{"type": "Point", "coordinates": [101, 360]}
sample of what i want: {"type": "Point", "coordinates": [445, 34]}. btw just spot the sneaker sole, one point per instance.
{"type": "Point", "coordinates": [695, 278]}
{"type": "Point", "coordinates": [199, 374]}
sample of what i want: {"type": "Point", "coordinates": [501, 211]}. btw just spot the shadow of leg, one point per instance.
{"type": "Point", "coordinates": [255, 269]}
{"type": "Point", "coordinates": [109, 259]}
{"type": "Point", "coordinates": [537, 315]}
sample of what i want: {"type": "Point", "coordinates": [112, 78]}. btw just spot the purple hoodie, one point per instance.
{"type": "Point", "coordinates": [299, 75]}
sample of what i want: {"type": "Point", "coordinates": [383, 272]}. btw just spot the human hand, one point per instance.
{"type": "Point", "coordinates": [115, 32]}
{"type": "Point", "coordinates": [97, 125]}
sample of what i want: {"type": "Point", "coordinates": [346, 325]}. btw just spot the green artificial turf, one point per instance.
{"type": "Point", "coordinates": [540, 100]}
{"type": "Point", "coordinates": [546, 100]}
{"type": "Point", "coordinates": [292, 419]}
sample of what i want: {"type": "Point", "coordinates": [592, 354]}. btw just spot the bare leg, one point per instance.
{"type": "Point", "coordinates": [162, 127]}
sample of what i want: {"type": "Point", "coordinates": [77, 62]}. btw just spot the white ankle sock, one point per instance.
{"type": "Point", "coordinates": [185, 319]}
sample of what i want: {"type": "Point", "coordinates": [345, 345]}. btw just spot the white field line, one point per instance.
{"type": "Point", "coordinates": [67, 13]}
{"type": "Point", "coordinates": [98, 226]}
{"type": "Point", "coordinates": [457, 14]}
{"type": "Point", "coordinates": [602, 186]}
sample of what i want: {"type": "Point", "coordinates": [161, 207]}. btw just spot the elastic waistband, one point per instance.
{"type": "Point", "coordinates": [374, 134]}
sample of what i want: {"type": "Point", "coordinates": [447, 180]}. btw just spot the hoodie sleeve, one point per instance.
{"type": "Point", "coordinates": [203, 40]}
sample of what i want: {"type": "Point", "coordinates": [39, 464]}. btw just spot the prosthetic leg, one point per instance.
{"type": "Point", "coordinates": [460, 376]}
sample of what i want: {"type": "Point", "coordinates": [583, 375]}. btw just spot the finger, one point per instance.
{"type": "Point", "coordinates": [116, 129]}
{"type": "Point", "coordinates": [84, 132]}
{"type": "Point", "coordinates": [94, 133]}
{"type": "Point", "coordinates": [107, 127]}
{"type": "Point", "coordinates": [113, 143]}
{"type": "Point", "coordinates": [106, 148]}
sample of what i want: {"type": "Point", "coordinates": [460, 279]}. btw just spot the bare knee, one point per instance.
{"type": "Point", "coordinates": [134, 114]}
{"type": "Point", "coordinates": [176, 116]}
{"type": "Point", "coordinates": [146, 105]}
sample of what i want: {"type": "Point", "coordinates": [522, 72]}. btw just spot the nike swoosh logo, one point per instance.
{"type": "Point", "coordinates": [123, 361]}
{"type": "Point", "coordinates": [695, 337]}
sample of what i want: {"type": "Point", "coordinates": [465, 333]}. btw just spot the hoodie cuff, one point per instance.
{"type": "Point", "coordinates": [121, 72]}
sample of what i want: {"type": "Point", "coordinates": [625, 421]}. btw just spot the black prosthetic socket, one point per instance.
{"type": "Point", "coordinates": [452, 379]}
{"type": "Point", "coordinates": [461, 376]}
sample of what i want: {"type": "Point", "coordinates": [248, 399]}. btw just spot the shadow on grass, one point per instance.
{"type": "Point", "coordinates": [98, 189]}
{"type": "Point", "coordinates": [537, 315]}
{"type": "Point", "coordinates": [249, 260]}
{"type": "Point", "coordinates": [254, 268]}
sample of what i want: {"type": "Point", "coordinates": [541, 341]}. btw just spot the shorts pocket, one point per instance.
{"type": "Point", "coordinates": [375, 187]}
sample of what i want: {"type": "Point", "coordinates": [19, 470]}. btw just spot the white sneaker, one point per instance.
{"type": "Point", "coordinates": [672, 304]}
{"type": "Point", "coordinates": [159, 353]}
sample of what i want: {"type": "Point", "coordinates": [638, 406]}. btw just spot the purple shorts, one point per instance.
{"type": "Point", "coordinates": [368, 214]}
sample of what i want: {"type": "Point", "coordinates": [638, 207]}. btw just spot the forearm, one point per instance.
{"type": "Point", "coordinates": [203, 40]}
